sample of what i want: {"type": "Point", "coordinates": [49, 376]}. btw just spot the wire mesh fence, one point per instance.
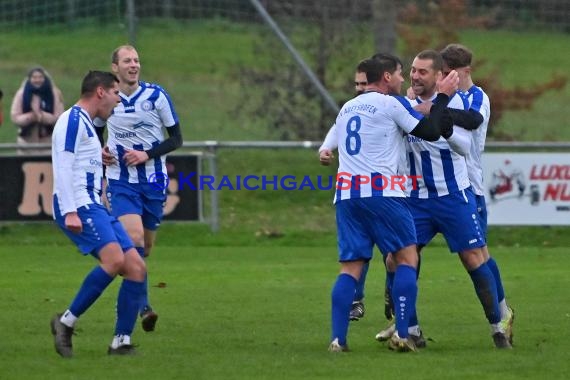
{"type": "Point", "coordinates": [510, 14]}
{"type": "Point", "coordinates": [269, 86]}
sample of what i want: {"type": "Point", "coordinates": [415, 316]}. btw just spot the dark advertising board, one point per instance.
{"type": "Point", "coordinates": [26, 188]}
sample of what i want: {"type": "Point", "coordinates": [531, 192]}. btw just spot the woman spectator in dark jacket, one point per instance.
{"type": "Point", "coordinates": [35, 108]}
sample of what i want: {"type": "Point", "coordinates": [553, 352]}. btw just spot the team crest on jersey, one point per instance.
{"type": "Point", "coordinates": [146, 105]}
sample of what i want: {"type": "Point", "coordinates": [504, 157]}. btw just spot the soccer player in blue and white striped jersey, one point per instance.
{"type": "Point", "coordinates": [78, 211]}
{"type": "Point", "coordinates": [369, 209]}
{"type": "Point", "coordinates": [136, 150]}
{"type": "Point", "coordinates": [458, 57]}
{"type": "Point", "coordinates": [444, 201]}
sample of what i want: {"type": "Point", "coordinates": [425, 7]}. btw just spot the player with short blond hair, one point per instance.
{"type": "Point", "coordinates": [136, 157]}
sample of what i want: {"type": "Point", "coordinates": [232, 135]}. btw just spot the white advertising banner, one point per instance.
{"type": "Point", "coordinates": [527, 188]}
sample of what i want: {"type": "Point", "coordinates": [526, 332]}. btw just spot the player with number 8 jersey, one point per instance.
{"type": "Point", "coordinates": [369, 135]}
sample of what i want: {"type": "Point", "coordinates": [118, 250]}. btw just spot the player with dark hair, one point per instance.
{"type": "Point", "coordinates": [329, 144]}
{"type": "Point", "coordinates": [325, 156]}
{"type": "Point", "coordinates": [369, 130]}
{"type": "Point", "coordinates": [78, 211]}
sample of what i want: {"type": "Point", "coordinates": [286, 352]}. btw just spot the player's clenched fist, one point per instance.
{"type": "Point", "coordinates": [325, 157]}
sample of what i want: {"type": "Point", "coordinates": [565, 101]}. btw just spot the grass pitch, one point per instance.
{"type": "Point", "coordinates": [262, 311]}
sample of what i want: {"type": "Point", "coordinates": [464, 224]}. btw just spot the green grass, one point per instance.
{"type": "Point", "coordinates": [245, 312]}
{"type": "Point", "coordinates": [526, 60]}
{"type": "Point", "coordinates": [199, 69]}
{"type": "Point", "coordinates": [239, 235]}
{"type": "Point", "coordinates": [253, 300]}
{"type": "Point", "coordinates": [198, 63]}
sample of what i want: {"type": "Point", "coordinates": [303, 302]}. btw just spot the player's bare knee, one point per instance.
{"type": "Point", "coordinates": [134, 266]}
{"type": "Point", "coordinates": [137, 236]}
{"type": "Point", "coordinates": [472, 258]}
{"type": "Point", "coordinates": [352, 268]}
{"type": "Point", "coordinates": [114, 265]}
{"type": "Point", "coordinates": [138, 270]}
{"type": "Point", "coordinates": [406, 256]}
{"type": "Point", "coordinates": [390, 263]}
{"type": "Point", "coordinates": [111, 258]}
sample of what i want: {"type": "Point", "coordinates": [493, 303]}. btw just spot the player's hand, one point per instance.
{"type": "Point", "coordinates": [34, 117]}
{"type": "Point", "coordinates": [410, 94]}
{"type": "Point", "coordinates": [104, 199]}
{"type": "Point", "coordinates": [424, 108]}
{"type": "Point", "coordinates": [73, 222]}
{"type": "Point", "coordinates": [325, 157]}
{"type": "Point", "coordinates": [107, 157]}
{"type": "Point", "coordinates": [448, 84]}
{"type": "Point", "coordinates": [135, 157]}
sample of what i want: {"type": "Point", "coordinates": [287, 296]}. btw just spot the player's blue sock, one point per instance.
{"type": "Point", "coordinates": [128, 306]}
{"type": "Point", "coordinates": [93, 285]}
{"type": "Point", "coordinates": [492, 264]}
{"type": "Point", "coordinates": [359, 293]}
{"type": "Point", "coordinates": [145, 304]}
{"type": "Point", "coordinates": [341, 297]}
{"type": "Point", "coordinates": [414, 317]}
{"type": "Point", "coordinates": [404, 293]}
{"type": "Point", "coordinates": [486, 289]}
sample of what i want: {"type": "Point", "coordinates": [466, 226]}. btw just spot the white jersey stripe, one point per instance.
{"type": "Point", "coordinates": [479, 102]}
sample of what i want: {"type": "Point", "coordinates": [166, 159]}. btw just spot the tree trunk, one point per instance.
{"type": "Point", "coordinates": [384, 26]}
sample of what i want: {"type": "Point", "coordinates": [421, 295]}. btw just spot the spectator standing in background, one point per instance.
{"type": "Point", "coordinates": [35, 108]}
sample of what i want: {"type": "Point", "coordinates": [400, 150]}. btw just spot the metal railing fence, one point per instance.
{"type": "Point", "coordinates": [211, 147]}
